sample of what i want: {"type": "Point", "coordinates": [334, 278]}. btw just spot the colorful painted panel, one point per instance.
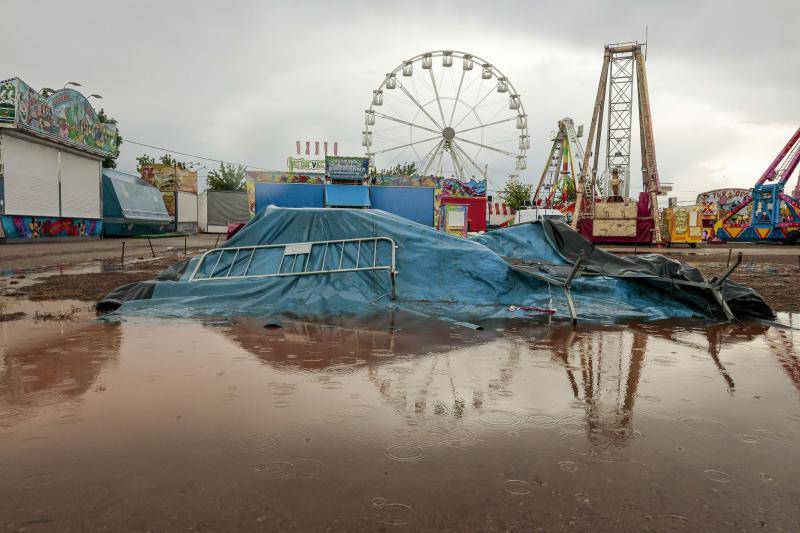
{"type": "Point", "coordinates": [460, 189]}
{"type": "Point", "coordinates": [8, 100]}
{"type": "Point", "coordinates": [170, 178]}
{"type": "Point", "coordinates": [346, 168]}
{"type": "Point", "coordinates": [283, 177]}
{"type": "Point", "coordinates": [404, 181]}
{"type": "Point", "coordinates": [250, 186]}
{"type": "Point", "coordinates": [29, 227]}
{"type": "Point", "coordinates": [456, 188]}
{"type": "Point", "coordinates": [169, 202]}
{"type": "Point", "coordinates": [65, 116]}
{"type": "Point", "coordinates": [721, 199]}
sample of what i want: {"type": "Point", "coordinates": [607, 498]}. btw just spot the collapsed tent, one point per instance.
{"type": "Point", "coordinates": [316, 263]}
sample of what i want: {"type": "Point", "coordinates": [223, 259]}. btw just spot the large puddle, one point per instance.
{"type": "Point", "coordinates": [227, 425]}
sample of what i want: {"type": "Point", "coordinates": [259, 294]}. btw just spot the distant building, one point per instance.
{"type": "Point", "coordinates": [51, 153]}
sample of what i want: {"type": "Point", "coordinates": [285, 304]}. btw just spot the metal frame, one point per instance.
{"type": "Point", "coordinates": [768, 199]}
{"type": "Point", "coordinates": [294, 250]}
{"type": "Point", "coordinates": [620, 119]}
{"type": "Point", "coordinates": [616, 78]}
{"type": "Point", "coordinates": [715, 286]}
{"type": "Point", "coordinates": [444, 123]}
{"type": "Point", "coordinates": [564, 283]}
{"type": "Point", "coordinates": [554, 178]}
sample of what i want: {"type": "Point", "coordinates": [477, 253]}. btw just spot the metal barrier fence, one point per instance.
{"type": "Point", "coordinates": [302, 251]}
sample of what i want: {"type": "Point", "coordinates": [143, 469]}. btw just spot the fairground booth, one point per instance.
{"type": "Point", "coordinates": [51, 153]}
{"type": "Point", "coordinates": [178, 186]}
{"type": "Point", "coordinates": [346, 184]}
{"type": "Point", "coordinates": [132, 206]}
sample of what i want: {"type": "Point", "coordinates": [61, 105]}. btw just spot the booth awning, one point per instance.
{"type": "Point", "coordinates": [130, 197]}
{"type": "Point", "coordinates": [347, 196]}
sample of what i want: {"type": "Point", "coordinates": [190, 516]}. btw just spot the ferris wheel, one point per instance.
{"type": "Point", "coordinates": [451, 113]}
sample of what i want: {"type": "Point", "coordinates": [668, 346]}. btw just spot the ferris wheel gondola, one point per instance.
{"type": "Point", "coordinates": [450, 113]}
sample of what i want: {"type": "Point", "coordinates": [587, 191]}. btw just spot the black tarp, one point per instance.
{"type": "Point", "coordinates": [654, 269]}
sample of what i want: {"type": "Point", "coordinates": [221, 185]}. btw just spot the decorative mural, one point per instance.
{"type": "Point", "coordinates": [250, 186]}
{"type": "Point", "coordinates": [8, 100]}
{"type": "Point", "coordinates": [169, 202]}
{"type": "Point", "coordinates": [721, 199]}
{"type": "Point", "coordinates": [460, 189]}
{"type": "Point", "coordinates": [65, 116]}
{"type": "Point", "coordinates": [170, 178]}
{"type": "Point", "coordinates": [404, 181]}
{"type": "Point", "coordinates": [33, 227]}
{"type": "Point", "coordinates": [283, 177]}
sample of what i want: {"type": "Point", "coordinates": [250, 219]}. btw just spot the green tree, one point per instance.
{"type": "Point", "coordinates": [110, 161]}
{"type": "Point", "coordinates": [165, 159]}
{"type": "Point", "coordinates": [516, 193]}
{"type": "Point", "coordinates": [229, 177]}
{"type": "Point", "coordinates": [400, 169]}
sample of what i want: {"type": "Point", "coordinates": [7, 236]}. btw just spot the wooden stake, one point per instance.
{"type": "Point", "coordinates": [122, 259]}
{"type": "Point", "coordinates": [151, 247]}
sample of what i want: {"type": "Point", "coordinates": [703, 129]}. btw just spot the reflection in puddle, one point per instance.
{"type": "Point", "coordinates": [406, 424]}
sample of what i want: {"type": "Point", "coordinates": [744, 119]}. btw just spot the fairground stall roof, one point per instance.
{"type": "Point", "coordinates": [65, 117]}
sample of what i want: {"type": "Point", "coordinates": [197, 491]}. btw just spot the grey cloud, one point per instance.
{"type": "Point", "coordinates": [243, 80]}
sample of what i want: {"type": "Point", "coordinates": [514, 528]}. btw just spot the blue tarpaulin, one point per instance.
{"type": "Point", "coordinates": [439, 275]}
{"type": "Point", "coordinates": [413, 203]}
{"type": "Point", "coordinates": [347, 196]}
{"type": "Point", "coordinates": [289, 195]}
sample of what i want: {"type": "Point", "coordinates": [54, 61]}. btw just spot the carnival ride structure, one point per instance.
{"type": "Point", "coordinates": [775, 216]}
{"type": "Point", "coordinates": [628, 221]}
{"type": "Point", "coordinates": [556, 188]}
{"type": "Point", "coordinates": [451, 113]}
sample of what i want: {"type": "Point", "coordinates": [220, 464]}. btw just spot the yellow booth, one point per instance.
{"type": "Point", "coordinates": [682, 225]}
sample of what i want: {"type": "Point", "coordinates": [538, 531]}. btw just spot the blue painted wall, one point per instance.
{"type": "Point", "coordinates": [413, 203]}
{"type": "Point", "coordinates": [289, 195]}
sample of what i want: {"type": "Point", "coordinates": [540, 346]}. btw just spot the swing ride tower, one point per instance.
{"type": "Point", "coordinates": [629, 221]}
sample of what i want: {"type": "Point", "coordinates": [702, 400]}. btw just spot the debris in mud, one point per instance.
{"type": "Point", "coordinates": [60, 316]}
{"type": "Point", "coordinates": [8, 317]}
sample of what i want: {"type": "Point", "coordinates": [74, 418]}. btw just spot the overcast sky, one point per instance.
{"type": "Point", "coordinates": [241, 81]}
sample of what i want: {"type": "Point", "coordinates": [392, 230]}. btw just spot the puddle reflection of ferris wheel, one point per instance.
{"type": "Point", "coordinates": [450, 113]}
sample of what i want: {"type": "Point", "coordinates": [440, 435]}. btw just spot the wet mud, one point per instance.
{"type": "Point", "coordinates": [87, 282]}
{"type": "Point", "coordinates": [227, 425]}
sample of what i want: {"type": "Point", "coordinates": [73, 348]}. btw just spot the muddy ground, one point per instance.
{"type": "Point", "coordinates": [770, 275]}
{"type": "Point", "coordinates": [146, 424]}
{"type": "Point", "coordinates": [91, 286]}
